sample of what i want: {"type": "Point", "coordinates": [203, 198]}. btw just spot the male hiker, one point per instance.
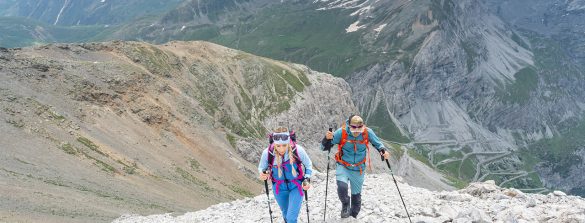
{"type": "Point", "coordinates": [352, 153]}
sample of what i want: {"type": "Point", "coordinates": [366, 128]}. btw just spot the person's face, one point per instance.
{"type": "Point", "coordinates": [281, 148]}
{"type": "Point", "coordinates": [356, 129]}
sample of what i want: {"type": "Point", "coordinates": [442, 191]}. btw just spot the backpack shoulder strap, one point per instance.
{"type": "Point", "coordinates": [298, 161]}
{"type": "Point", "coordinates": [293, 135]}
{"type": "Point", "coordinates": [365, 135]}
{"type": "Point", "coordinates": [343, 137]}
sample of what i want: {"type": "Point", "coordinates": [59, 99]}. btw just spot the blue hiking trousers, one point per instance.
{"type": "Point", "coordinates": [290, 202]}
{"type": "Point", "coordinates": [351, 177]}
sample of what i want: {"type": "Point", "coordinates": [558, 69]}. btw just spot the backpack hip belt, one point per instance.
{"type": "Point", "coordinates": [294, 181]}
{"type": "Point", "coordinates": [300, 176]}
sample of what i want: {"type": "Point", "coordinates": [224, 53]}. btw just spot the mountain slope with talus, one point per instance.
{"type": "Point", "coordinates": [381, 202]}
{"type": "Point", "coordinates": [555, 30]}
{"type": "Point", "coordinates": [443, 97]}
{"type": "Point", "coordinates": [92, 131]}
{"type": "Point", "coordinates": [474, 93]}
{"type": "Point", "coordinates": [464, 90]}
{"type": "Point", "coordinates": [476, 97]}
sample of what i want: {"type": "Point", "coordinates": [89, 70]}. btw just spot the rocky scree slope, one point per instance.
{"type": "Point", "coordinates": [479, 202]}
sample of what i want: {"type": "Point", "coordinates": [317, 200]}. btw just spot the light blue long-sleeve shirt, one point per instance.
{"type": "Point", "coordinates": [306, 161]}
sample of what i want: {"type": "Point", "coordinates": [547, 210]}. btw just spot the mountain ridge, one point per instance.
{"type": "Point", "coordinates": [130, 126]}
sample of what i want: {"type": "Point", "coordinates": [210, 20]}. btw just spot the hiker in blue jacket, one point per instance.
{"type": "Point", "coordinates": [351, 157]}
{"type": "Point", "coordinates": [289, 168]}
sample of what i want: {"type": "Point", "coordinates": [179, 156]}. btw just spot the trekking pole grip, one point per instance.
{"type": "Point", "coordinates": [382, 155]}
{"type": "Point", "coordinates": [265, 172]}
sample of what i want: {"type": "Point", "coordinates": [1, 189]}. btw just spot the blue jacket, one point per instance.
{"type": "Point", "coordinates": [351, 156]}
{"type": "Point", "coordinates": [287, 167]}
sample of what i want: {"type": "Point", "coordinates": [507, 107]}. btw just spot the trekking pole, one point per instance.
{"type": "Point", "coordinates": [395, 183]}
{"type": "Point", "coordinates": [267, 196]}
{"type": "Point", "coordinates": [327, 180]}
{"type": "Point", "coordinates": [307, 201]}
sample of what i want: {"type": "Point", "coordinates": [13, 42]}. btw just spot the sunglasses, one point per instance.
{"type": "Point", "coordinates": [356, 126]}
{"type": "Point", "coordinates": [280, 137]}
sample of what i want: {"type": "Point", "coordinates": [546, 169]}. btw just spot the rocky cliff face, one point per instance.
{"type": "Point", "coordinates": [476, 97]}
{"type": "Point", "coordinates": [444, 96]}
{"type": "Point", "coordinates": [561, 20]}
{"type": "Point", "coordinates": [554, 30]}
{"type": "Point", "coordinates": [92, 131]}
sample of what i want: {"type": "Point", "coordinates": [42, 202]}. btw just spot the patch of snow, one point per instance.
{"type": "Point", "coordinates": [380, 28]}
{"type": "Point", "coordinates": [361, 11]}
{"type": "Point", "coordinates": [354, 27]}
{"type": "Point", "coordinates": [346, 4]}
{"type": "Point", "coordinates": [535, 136]}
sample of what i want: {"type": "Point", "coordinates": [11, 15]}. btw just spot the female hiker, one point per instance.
{"type": "Point", "coordinates": [288, 166]}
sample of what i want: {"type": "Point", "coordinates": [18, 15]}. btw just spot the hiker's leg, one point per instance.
{"type": "Point", "coordinates": [356, 204]}
{"type": "Point", "coordinates": [282, 199]}
{"type": "Point", "coordinates": [356, 180]}
{"type": "Point", "coordinates": [342, 183]}
{"type": "Point", "coordinates": [342, 189]}
{"type": "Point", "coordinates": [295, 202]}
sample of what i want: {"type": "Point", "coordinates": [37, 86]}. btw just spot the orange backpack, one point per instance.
{"type": "Point", "coordinates": [344, 140]}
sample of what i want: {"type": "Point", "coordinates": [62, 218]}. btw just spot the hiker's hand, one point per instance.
{"type": "Point", "coordinates": [329, 135]}
{"type": "Point", "coordinates": [263, 176]}
{"type": "Point", "coordinates": [307, 184]}
{"type": "Point", "coordinates": [326, 144]}
{"type": "Point", "coordinates": [385, 154]}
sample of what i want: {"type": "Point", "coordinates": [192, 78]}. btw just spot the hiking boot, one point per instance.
{"type": "Point", "coordinates": [356, 204]}
{"type": "Point", "coordinates": [345, 210]}
{"type": "Point", "coordinates": [342, 189]}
